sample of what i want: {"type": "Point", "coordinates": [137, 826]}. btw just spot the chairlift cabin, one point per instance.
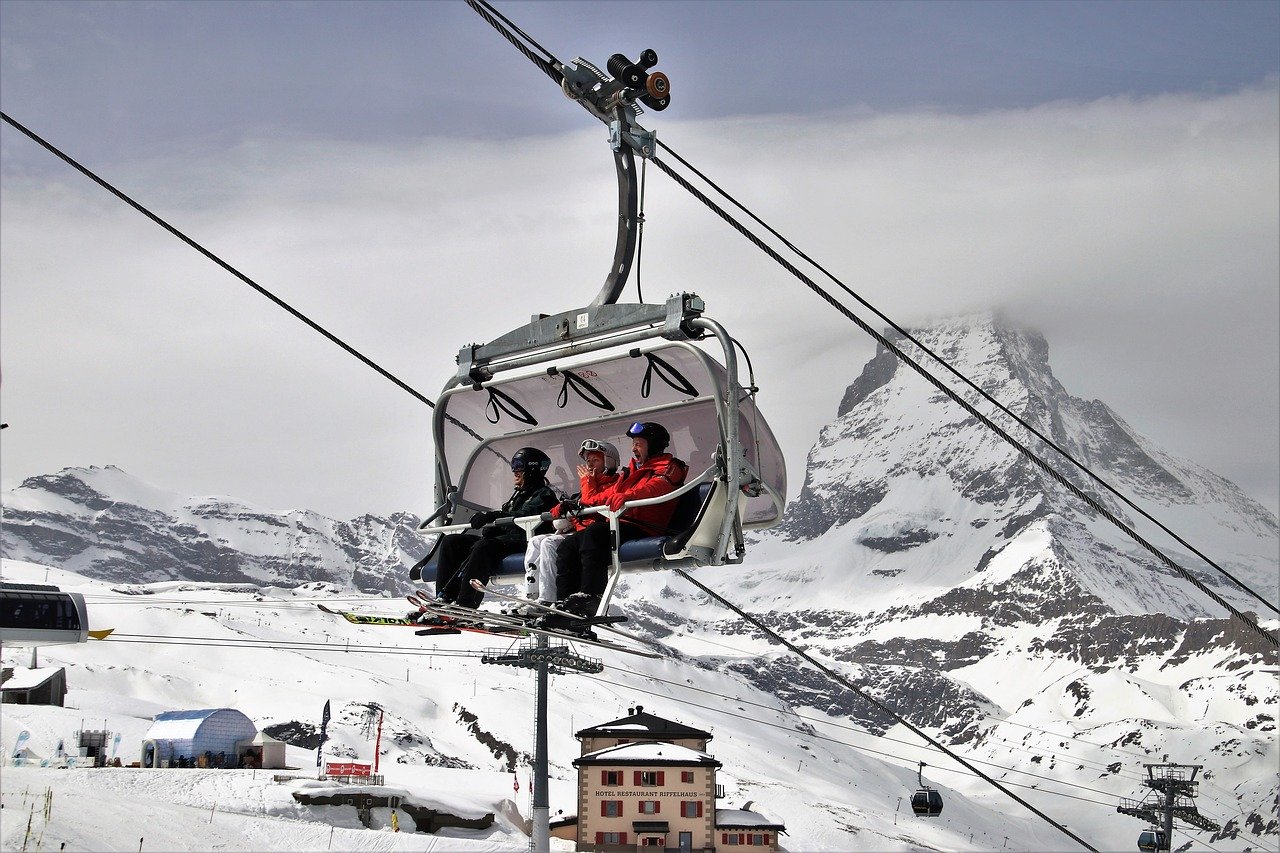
{"type": "Point", "coordinates": [544, 386]}
{"type": "Point", "coordinates": [41, 615]}
{"type": "Point", "coordinates": [594, 371]}
{"type": "Point", "coordinates": [925, 802]}
{"type": "Point", "coordinates": [1152, 840]}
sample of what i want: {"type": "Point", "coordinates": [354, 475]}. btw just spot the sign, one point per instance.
{"type": "Point", "coordinates": [347, 768]}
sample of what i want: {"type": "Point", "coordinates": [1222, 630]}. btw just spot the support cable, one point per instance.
{"type": "Point", "coordinates": [492, 15]}
{"type": "Point", "coordinates": [878, 705]}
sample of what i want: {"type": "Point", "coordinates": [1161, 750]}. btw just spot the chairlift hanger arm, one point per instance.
{"type": "Point", "coordinates": [613, 101]}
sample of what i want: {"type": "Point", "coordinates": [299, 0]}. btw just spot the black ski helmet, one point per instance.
{"type": "Point", "coordinates": [531, 460]}
{"type": "Point", "coordinates": [655, 434]}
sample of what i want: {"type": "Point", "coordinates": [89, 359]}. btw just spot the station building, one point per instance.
{"type": "Point", "coordinates": [648, 782]}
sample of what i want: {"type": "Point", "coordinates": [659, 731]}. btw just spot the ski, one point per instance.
{"type": "Point", "coordinates": [446, 625]}
{"type": "Point", "coordinates": [455, 616]}
{"type": "Point", "coordinates": [603, 621]}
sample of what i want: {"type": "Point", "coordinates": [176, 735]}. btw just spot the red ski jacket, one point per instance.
{"type": "Point", "coordinates": [659, 475]}
{"type": "Point", "coordinates": [590, 494]}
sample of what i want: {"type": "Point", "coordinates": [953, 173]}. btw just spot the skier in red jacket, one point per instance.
{"type": "Point", "coordinates": [583, 560]}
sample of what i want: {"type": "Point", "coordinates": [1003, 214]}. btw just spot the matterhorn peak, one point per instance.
{"type": "Point", "coordinates": [903, 465]}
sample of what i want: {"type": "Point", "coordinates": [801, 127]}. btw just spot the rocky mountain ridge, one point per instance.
{"type": "Point", "coordinates": [103, 523]}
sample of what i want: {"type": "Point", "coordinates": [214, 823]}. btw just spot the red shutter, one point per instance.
{"type": "Point", "coordinates": [622, 838]}
{"type": "Point", "coordinates": [599, 838]}
{"type": "Point", "coordinates": [724, 838]}
{"type": "Point", "coordinates": [660, 775]}
{"type": "Point", "coordinates": [604, 777]}
{"type": "Point", "coordinates": [766, 839]}
{"type": "Point", "coordinates": [604, 808]}
{"type": "Point", "coordinates": [699, 814]}
{"type": "Point", "coordinates": [657, 805]}
{"type": "Point", "coordinates": [637, 777]}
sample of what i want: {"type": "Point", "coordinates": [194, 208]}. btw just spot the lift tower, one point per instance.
{"type": "Point", "coordinates": [1174, 787]}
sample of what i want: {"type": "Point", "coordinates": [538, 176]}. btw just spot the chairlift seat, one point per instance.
{"type": "Point", "coordinates": [636, 553]}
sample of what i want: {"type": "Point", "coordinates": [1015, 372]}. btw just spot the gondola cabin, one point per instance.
{"type": "Point", "coordinates": [1152, 841]}
{"type": "Point", "coordinates": [541, 386]}
{"type": "Point", "coordinates": [41, 615]}
{"type": "Point", "coordinates": [926, 802]}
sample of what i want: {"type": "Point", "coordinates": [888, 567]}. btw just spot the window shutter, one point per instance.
{"type": "Point", "coordinates": [622, 838]}
{"type": "Point", "coordinates": [599, 838]}
{"type": "Point", "coordinates": [604, 808]}
{"type": "Point", "coordinates": [637, 777]}
{"type": "Point", "coordinates": [657, 806]}
{"type": "Point", "coordinates": [604, 777]}
{"type": "Point", "coordinates": [699, 814]}
{"type": "Point", "coordinates": [660, 775]}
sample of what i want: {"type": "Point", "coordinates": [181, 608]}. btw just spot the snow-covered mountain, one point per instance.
{"type": "Point", "coordinates": [103, 523]}
{"type": "Point", "coordinates": [924, 559]}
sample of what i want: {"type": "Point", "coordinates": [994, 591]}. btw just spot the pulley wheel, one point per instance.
{"type": "Point", "coordinates": [657, 85]}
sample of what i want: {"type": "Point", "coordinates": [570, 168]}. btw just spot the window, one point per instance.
{"type": "Point", "coordinates": [757, 839]}
{"type": "Point", "coordinates": [650, 807]}
{"type": "Point", "coordinates": [731, 837]}
{"type": "Point", "coordinates": [691, 808]}
{"type": "Point", "coordinates": [610, 777]}
{"type": "Point", "coordinates": [649, 778]}
{"type": "Point", "coordinates": [611, 808]}
{"type": "Point", "coordinates": [611, 838]}
{"type": "Point", "coordinates": [653, 841]}
{"type": "Point", "coordinates": [686, 775]}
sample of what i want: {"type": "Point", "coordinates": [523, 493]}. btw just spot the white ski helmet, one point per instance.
{"type": "Point", "coordinates": [611, 458]}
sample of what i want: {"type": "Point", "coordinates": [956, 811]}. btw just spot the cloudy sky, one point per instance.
{"type": "Point", "coordinates": [1104, 172]}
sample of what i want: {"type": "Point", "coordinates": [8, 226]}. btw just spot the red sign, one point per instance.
{"type": "Point", "coordinates": [350, 768]}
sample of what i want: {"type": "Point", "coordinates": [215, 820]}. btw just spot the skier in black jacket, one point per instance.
{"type": "Point", "coordinates": [464, 556]}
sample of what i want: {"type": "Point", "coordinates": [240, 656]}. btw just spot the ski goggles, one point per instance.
{"type": "Point", "coordinates": [637, 430]}
{"type": "Point", "coordinates": [590, 445]}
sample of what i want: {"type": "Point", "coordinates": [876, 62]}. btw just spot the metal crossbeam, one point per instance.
{"type": "Point", "coordinates": [559, 658]}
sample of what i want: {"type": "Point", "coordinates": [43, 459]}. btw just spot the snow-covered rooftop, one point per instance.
{"type": "Point", "coordinates": [740, 818]}
{"type": "Point", "coordinates": [25, 679]}
{"type": "Point", "coordinates": [650, 751]}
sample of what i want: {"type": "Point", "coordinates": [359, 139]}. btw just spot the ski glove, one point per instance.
{"type": "Point", "coordinates": [480, 519]}
{"type": "Point", "coordinates": [616, 501]}
{"type": "Point", "coordinates": [491, 531]}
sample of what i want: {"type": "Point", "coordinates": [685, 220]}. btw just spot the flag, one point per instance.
{"type": "Point", "coordinates": [324, 726]}
{"type": "Point", "coordinates": [22, 740]}
{"type": "Point", "coordinates": [515, 782]}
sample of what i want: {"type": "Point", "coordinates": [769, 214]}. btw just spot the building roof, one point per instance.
{"type": "Point", "coordinates": [744, 819]}
{"type": "Point", "coordinates": [644, 725]}
{"type": "Point", "coordinates": [183, 725]}
{"type": "Point", "coordinates": [647, 752]}
{"type": "Point", "coordinates": [29, 679]}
